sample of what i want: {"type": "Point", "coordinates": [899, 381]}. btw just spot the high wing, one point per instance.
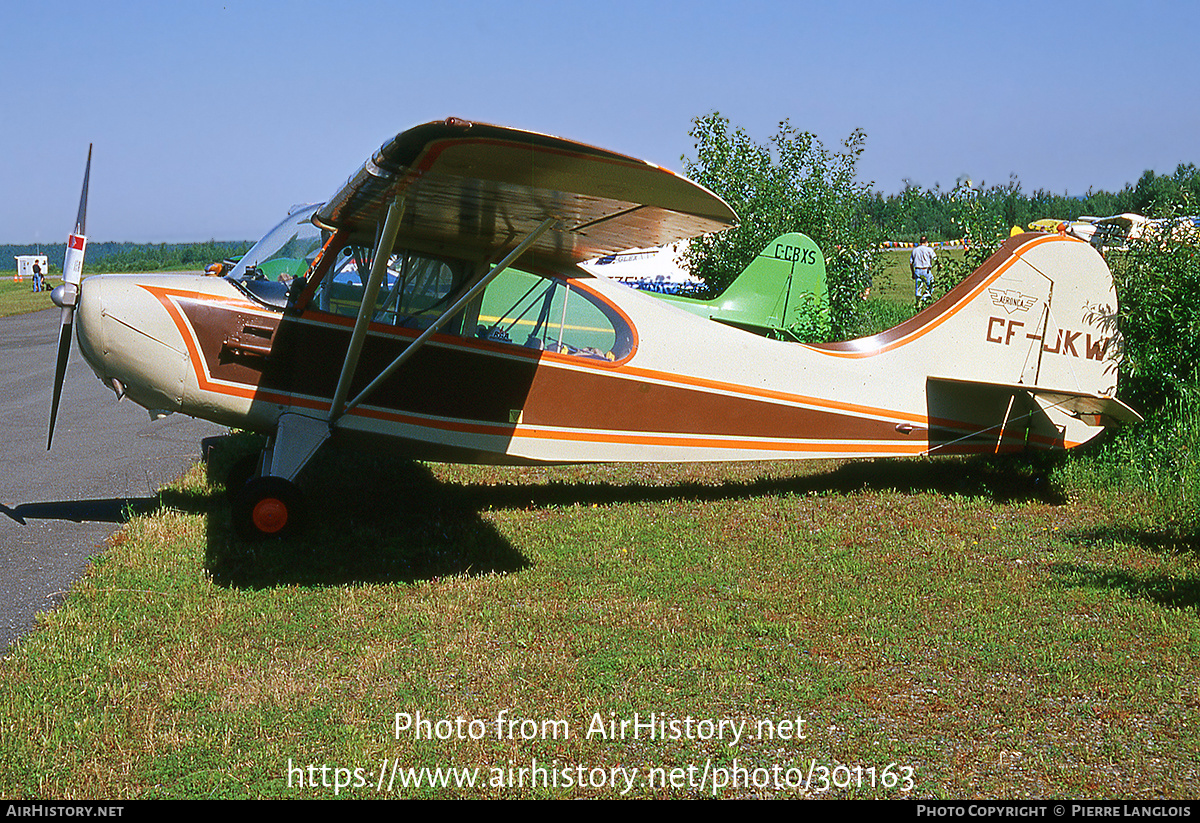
{"type": "Point", "coordinates": [477, 187]}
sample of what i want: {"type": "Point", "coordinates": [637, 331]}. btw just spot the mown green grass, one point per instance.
{"type": "Point", "coordinates": [890, 300]}
{"type": "Point", "coordinates": [18, 297]}
{"type": "Point", "coordinates": [893, 280]}
{"type": "Point", "coordinates": [1000, 634]}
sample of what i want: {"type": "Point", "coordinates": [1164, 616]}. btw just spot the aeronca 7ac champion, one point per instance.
{"type": "Point", "coordinates": [393, 315]}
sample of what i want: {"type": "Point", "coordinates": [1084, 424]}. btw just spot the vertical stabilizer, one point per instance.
{"type": "Point", "coordinates": [780, 294]}
{"type": "Point", "coordinates": [1022, 353]}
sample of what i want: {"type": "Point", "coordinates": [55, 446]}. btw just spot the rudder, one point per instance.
{"type": "Point", "coordinates": [782, 293]}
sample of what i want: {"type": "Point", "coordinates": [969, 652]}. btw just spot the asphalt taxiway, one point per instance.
{"type": "Point", "coordinates": [57, 508]}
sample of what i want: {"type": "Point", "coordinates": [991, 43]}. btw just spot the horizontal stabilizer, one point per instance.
{"type": "Point", "coordinates": [1108, 410]}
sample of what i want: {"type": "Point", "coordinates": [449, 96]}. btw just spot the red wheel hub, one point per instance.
{"type": "Point", "coordinates": [269, 515]}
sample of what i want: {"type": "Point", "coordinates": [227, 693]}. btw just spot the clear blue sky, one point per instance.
{"type": "Point", "coordinates": [210, 119]}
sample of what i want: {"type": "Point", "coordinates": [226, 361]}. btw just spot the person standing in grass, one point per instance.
{"type": "Point", "coordinates": [921, 263]}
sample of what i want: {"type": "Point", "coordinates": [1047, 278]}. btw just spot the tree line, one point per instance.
{"type": "Point", "coordinates": [107, 256]}
{"type": "Point", "coordinates": [915, 211]}
{"type": "Point", "coordinates": [792, 182]}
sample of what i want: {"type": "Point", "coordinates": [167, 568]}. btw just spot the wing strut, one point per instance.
{"type": "Point", "coordinates": [467, 297]}
{"type": "Point", "coordinates": [383, 252]}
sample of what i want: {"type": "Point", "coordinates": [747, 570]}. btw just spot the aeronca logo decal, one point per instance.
{"type": "Point", "coordinates": [1011, 300]}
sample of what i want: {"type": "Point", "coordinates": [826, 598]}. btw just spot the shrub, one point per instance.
{"type": "Point", "coordinates": [1158, 286]}
{"type": "Point", "coordinates": [793, 183]}
{"type": "Point", "coordinates": [1157, 280]}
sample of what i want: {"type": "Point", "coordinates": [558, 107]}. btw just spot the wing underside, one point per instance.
{"type": "Point", "coordinates": [475, 188]}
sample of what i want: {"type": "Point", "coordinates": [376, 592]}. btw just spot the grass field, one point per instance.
{"type": "Point", "coordinates": [943, 628]}
{"type": "Point", "coordinates": [921, 628]}
{"type": "Point", "coordinates": [894, 279]}
{"type": "Point", "coordinates": [19, 297]}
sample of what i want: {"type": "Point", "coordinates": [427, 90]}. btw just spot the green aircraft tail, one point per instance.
{"type": "Point", "coordinates": [782, 294]}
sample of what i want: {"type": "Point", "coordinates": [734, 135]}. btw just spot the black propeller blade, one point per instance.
{"type": "Point", "coordinates": [66, 296]}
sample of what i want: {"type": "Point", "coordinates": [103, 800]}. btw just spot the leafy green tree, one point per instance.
{"type": "Point", "coordinates": [983, 220]}
{"type": "Point", "coordinates": [792, 183]}
{"type": "Point", "coordinates": [1158, 286]}
{"type": "Point", "coordinates": [1161, 194]}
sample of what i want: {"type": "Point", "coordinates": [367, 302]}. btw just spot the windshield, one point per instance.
{"type": "Point", "coordinates": [285, 251]}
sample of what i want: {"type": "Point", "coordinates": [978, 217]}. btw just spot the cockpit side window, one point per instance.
{"type": "Point", "coordinates": [543, 313]}
{"type": "Point", "coordinates": [414, 292]}
{"type": "Point", "coordinates": [551, 314]}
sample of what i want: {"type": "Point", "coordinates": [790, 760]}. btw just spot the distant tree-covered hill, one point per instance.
{"type": "Point", "coordinates": [126, 257]}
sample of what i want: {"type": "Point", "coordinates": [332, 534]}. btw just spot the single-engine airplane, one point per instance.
{"type": "Point", "coordinates": [660, 270]}
{"type": "Point", "coordinates": [392, 316]}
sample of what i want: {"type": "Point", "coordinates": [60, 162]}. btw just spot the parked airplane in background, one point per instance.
{"type": "Point", "coordinates": [402, 323]}
{"type": "Point", "coordinates": [1116, 231]}
{"type": "Point", "coordinates": [781, 294]}
{"type": "Point", "coordinates": [660, 270]}
{"type": "Point", "coordinates": [1109, 232]}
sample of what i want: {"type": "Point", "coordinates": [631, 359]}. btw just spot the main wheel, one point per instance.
{"type": "Point", "coordinates": [267, 507]}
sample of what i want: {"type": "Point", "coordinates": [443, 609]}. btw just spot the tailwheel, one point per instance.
{"type": "Point", "coordinates": [267, 507]}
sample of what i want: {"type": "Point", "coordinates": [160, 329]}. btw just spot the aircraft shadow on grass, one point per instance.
{"type": "Point", "coordinates": [386, 521]}
{"type": "Point", "coordinates": [117, 510]}
{"type": "Point", "coordinates": [370, 520]}
{"type": "Point", "coordinates": [381, 520]}
{"type": "Point", "coordinates": [1163, 589]}
{"type": "Point", "coordinates": [997, 481]}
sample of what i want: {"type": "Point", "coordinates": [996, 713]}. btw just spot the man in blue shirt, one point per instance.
{"type": "Point", "coordinates": [921, 263]}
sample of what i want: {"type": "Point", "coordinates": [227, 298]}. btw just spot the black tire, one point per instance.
{"type": "Point", "coordinates": [267, 508]}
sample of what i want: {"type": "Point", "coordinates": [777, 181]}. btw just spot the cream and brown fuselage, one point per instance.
{"type": "Point", "coordinates": [1039, 313]}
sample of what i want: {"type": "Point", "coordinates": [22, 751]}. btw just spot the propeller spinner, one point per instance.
{"type": "Point", "coordinates": [66, 296]}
